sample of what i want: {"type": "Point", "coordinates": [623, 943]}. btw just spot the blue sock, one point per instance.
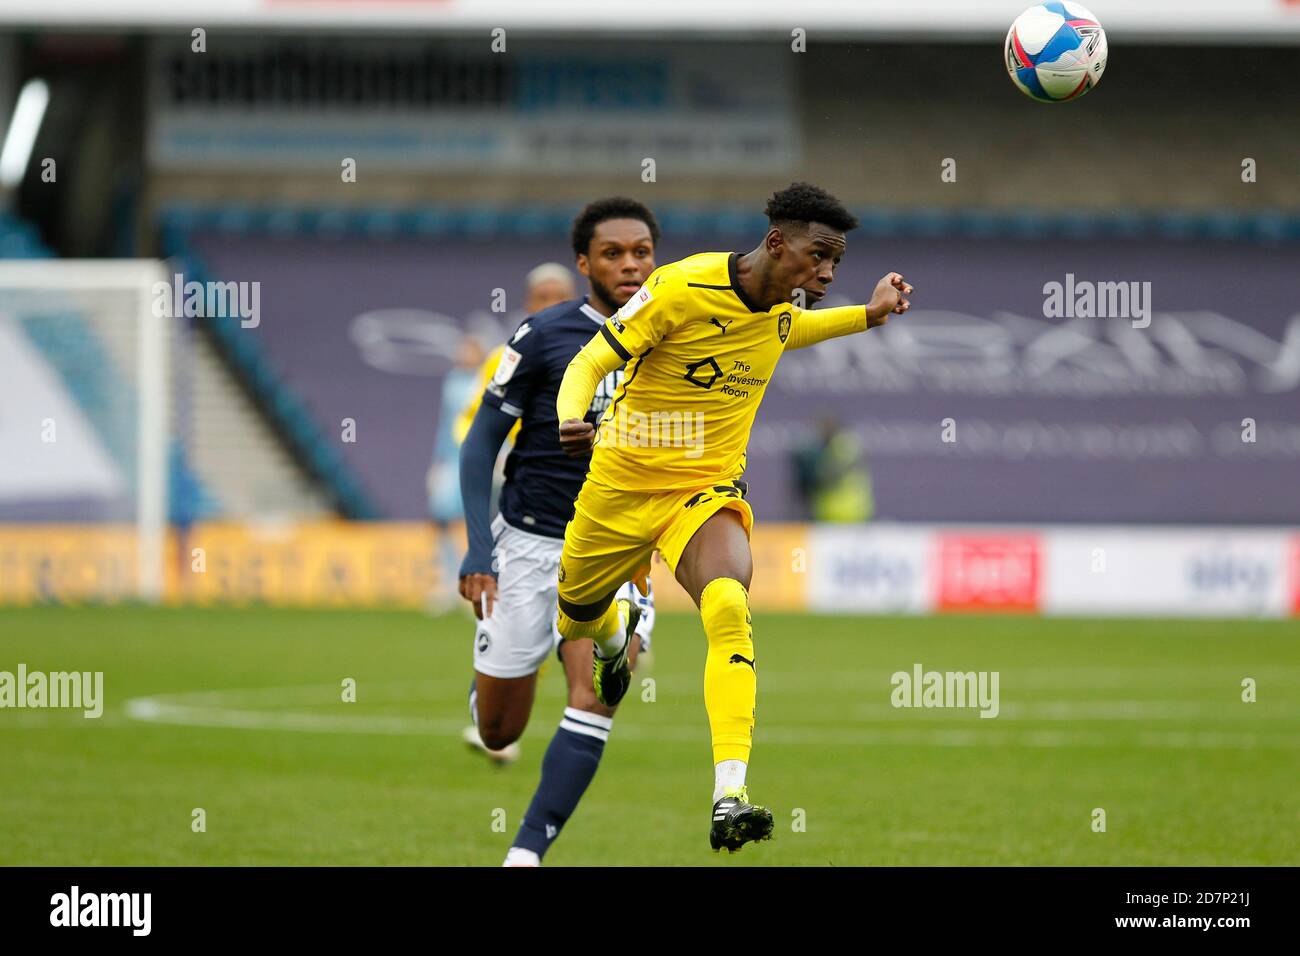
{"type": "Point", "coordinates": [567, 770]}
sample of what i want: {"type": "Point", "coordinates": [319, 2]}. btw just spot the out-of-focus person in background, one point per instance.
{"type": "Point", "coordinates": [546, 285]}
{"type": "Point", "coordinates": [549, 284]}
{"type": "Point", "coordinates": [831, 476]}
{"type": "Point", "coordinates": [459, 387]}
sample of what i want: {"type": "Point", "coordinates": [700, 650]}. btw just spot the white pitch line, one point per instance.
{"type": "Point", "coordinates": [1068, 710]}
{"type": "Point", "coordinates": [153, 710]}
{"type": "Point", "coordinates": [177, 710]}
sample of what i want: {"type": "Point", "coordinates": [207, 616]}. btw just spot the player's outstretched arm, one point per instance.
{"type": "Point", "coordinates": [478, 456]}
{"type": "Point", "coordinates": [587, 370]}
{"type": "Point", "coordinates": [809, 328]}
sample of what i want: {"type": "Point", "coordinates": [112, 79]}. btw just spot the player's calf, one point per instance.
{"type": "Point", "coordinates": [611, 632]}
{"type": "Point", "coordinates": [611, 677]}
{"type": "Point", "coordinates": [576, 656]}
{"type": "Point", "coordinates": [730, 670]}
{"type": "Point", "coordinates": [501, 707]}
{"type": "Point", "coordinates": [730, 691]}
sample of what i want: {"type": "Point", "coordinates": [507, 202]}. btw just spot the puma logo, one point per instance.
{"type": "Point", "coordinates": [737, 659]}
{"type": "Point", "coordinates": [713, 320]}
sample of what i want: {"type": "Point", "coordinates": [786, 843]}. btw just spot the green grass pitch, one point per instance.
{"type": "Point", "coordinates": [240, 713]}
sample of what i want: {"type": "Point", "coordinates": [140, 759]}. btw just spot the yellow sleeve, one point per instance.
{"type": "Point", "coordinates": [586, 371]}
{"type": "Point", "coordinates": [809, 328]}
{"type": "Point", "coordinates": [654, 310]}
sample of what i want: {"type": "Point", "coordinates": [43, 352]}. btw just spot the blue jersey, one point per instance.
{"type": "Point", "coordinates": [541, 480]}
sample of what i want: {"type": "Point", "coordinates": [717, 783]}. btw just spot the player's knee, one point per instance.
{"type": "Point", "coordinates": [499, 730]}
{"type": "Point", "coordinates": [498, 737]}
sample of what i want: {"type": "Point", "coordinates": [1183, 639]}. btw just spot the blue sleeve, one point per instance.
{"type": "Point", "coordinates": [522, 366]}
{"type": "Point", "coordinates": [478, 458]}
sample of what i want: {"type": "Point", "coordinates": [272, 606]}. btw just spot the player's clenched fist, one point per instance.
{"type": "Point", "coordinates": [887, 299]}
{"type": "Point", "coordinates": [577, 437]}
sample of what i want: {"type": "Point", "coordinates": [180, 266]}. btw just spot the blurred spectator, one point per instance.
{"type": "Point", "coordinates": [549, 284]}
{"type": "Point", "coordinates": [460, 387]}
{"type": "Point", "coordinates": [832, 478]}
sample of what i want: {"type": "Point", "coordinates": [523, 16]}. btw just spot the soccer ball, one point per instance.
{"type": "Point", "coordinates": [1056, 51]}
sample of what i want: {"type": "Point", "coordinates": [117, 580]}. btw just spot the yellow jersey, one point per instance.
{"type": "Point", "coordinates": [699, 357]}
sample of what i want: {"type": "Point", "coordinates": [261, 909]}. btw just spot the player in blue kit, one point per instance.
{"type": "Point", "coordinates": [510, 570]}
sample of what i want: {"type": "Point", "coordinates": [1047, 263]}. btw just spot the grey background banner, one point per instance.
{"type": "Point", "coordinates": [1054, 419]}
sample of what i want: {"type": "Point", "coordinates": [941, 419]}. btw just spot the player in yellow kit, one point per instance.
{"type": "Point", "coordinates": [701, 339]}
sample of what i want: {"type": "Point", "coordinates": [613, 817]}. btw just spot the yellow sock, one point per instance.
{"type": "Point", "coordinates": [730, 682]}
{"type": "Point", "coordinates": [597, 629]}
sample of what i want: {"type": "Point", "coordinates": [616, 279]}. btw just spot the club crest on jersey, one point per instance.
{"type": "Point", "coordinates": [783, 326]}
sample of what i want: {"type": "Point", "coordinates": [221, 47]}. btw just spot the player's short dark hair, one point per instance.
{"type": "Point", "coordinates": [601, 210]}
{"type": "Point", "coordinates": [805, 203]}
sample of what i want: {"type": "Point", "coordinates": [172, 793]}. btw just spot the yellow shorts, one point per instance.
{"type": "Point", "coordinates": [613, 533]}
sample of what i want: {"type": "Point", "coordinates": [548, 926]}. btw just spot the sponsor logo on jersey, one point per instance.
{"type": "Point", "coordinates": [521, 332]}
{"type": "Point", "coordinates": [703, 373]}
